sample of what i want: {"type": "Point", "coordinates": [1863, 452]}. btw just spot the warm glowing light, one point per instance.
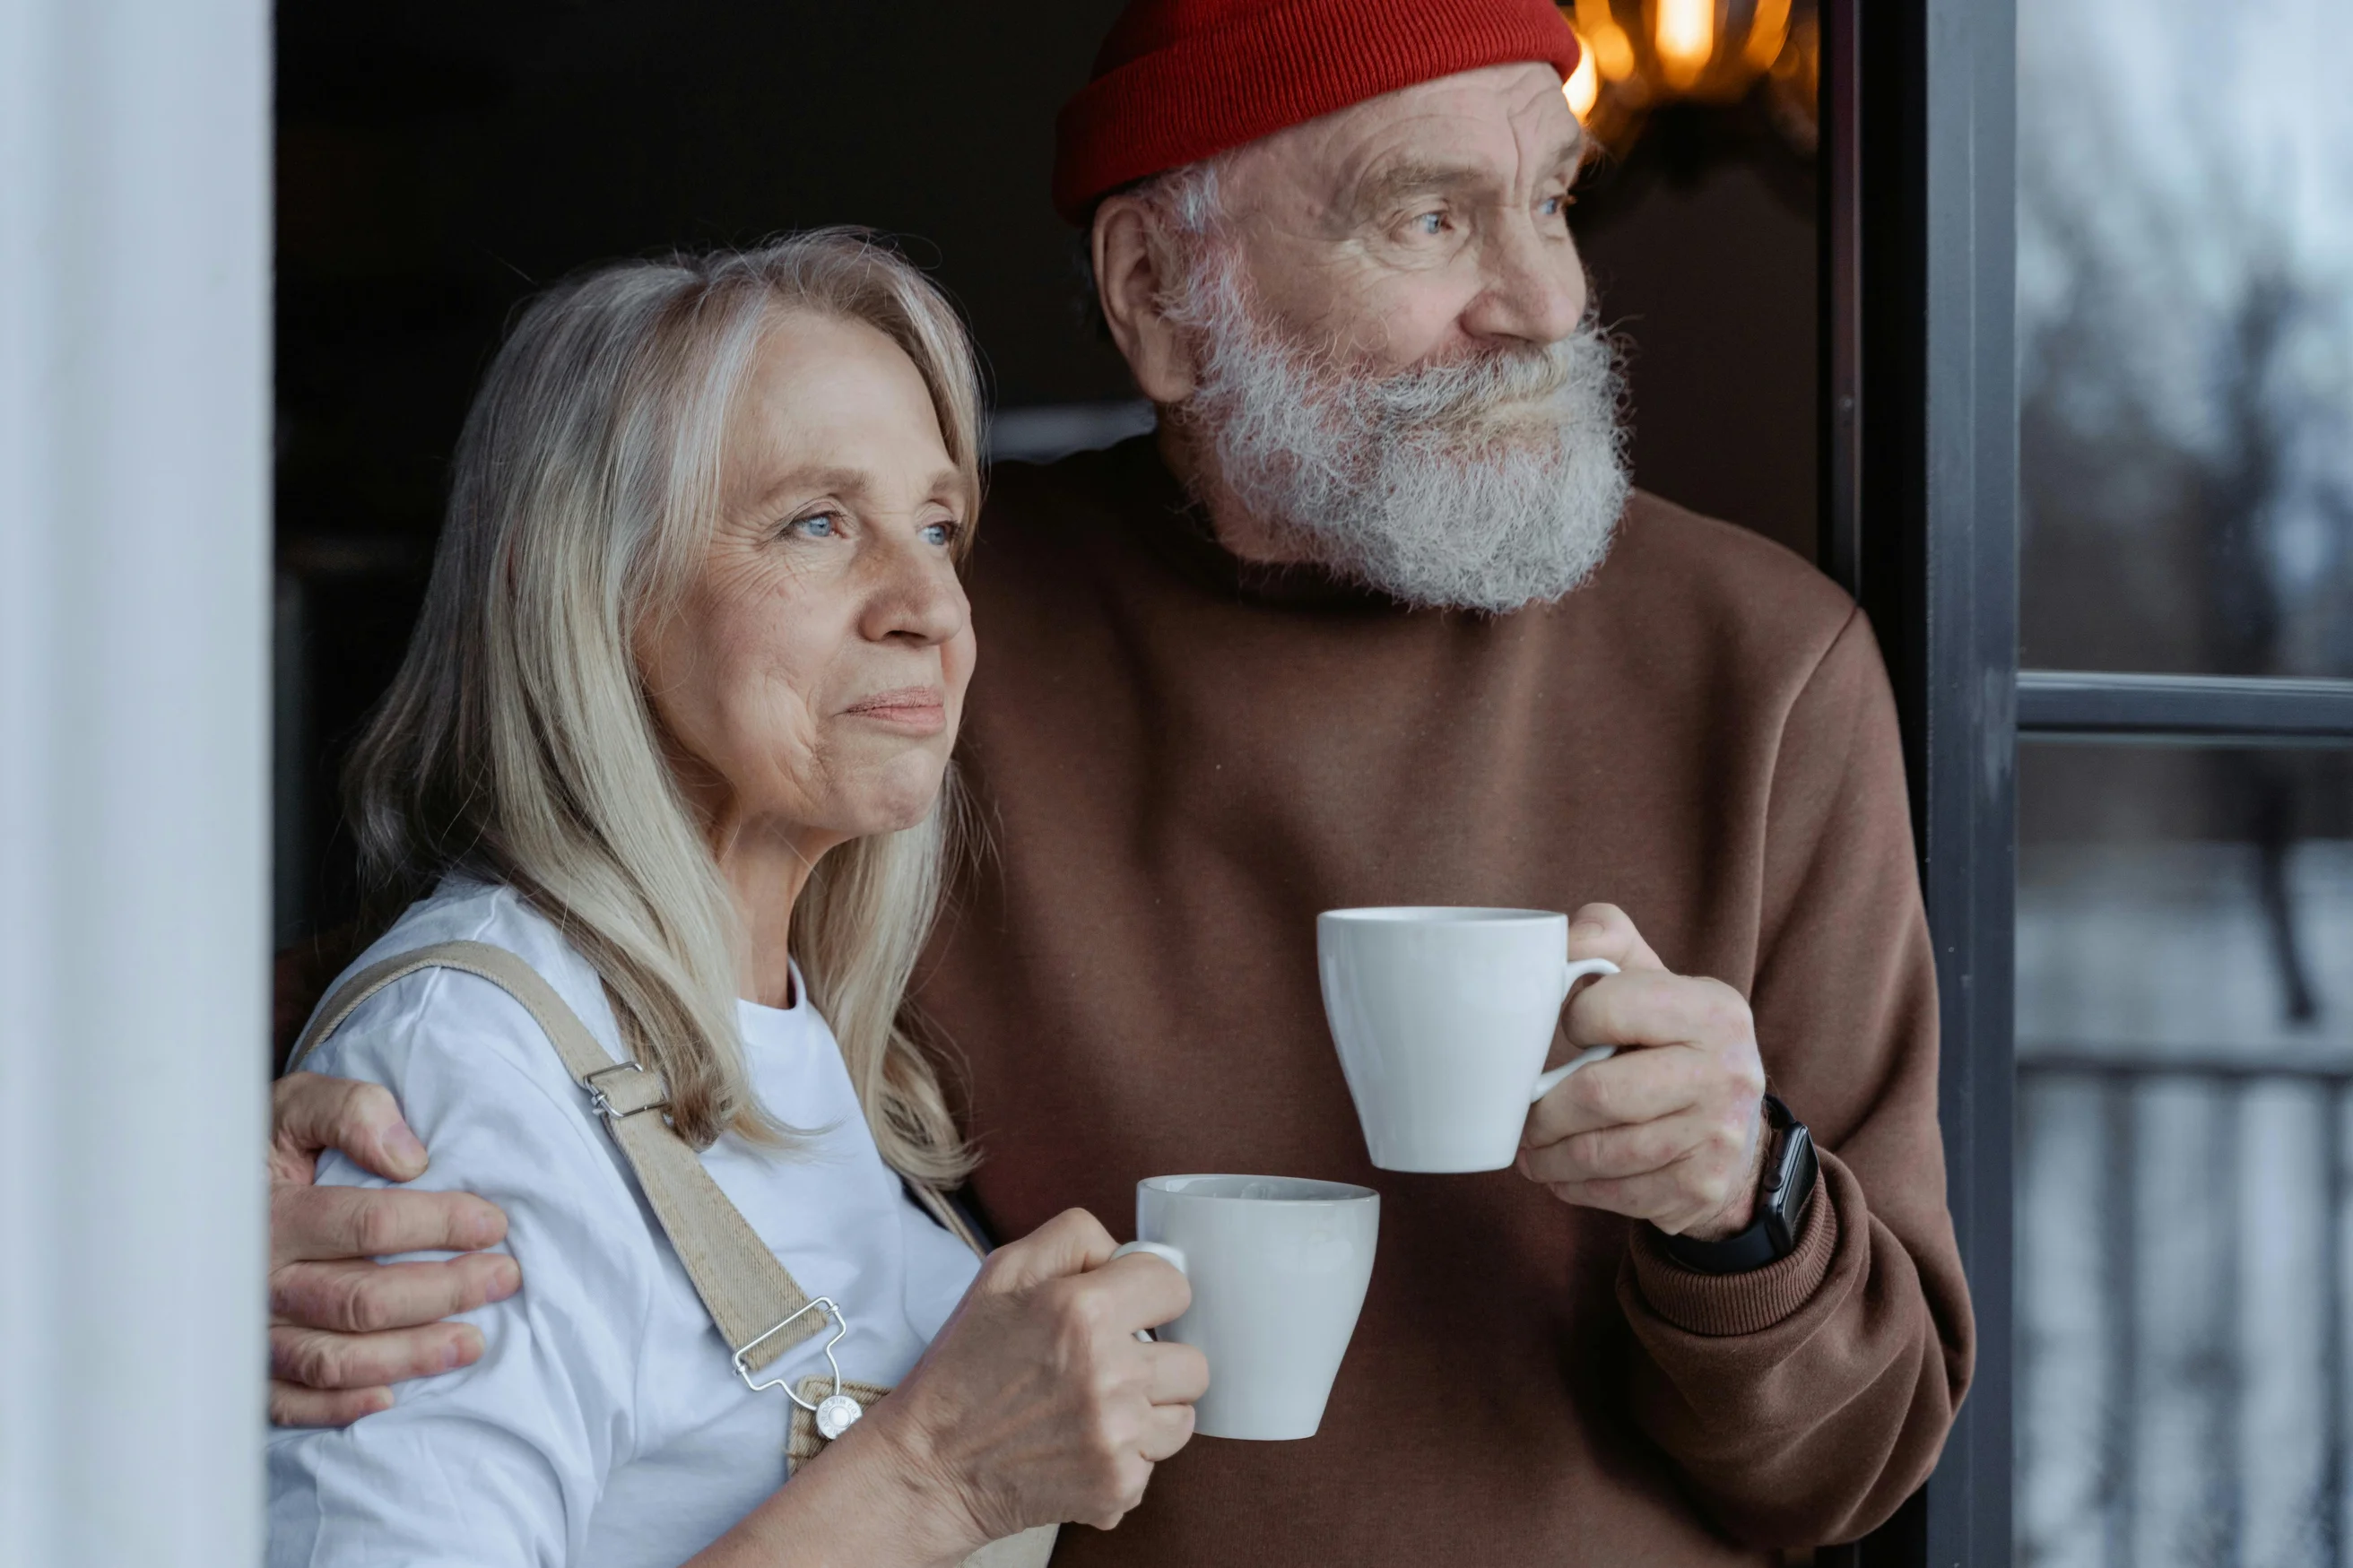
{"type": "Point", "coordinates": [1613, 51]}
{"type": "Point", "coordinates": [1636, 57]}
{"type": "Point", "coordinates": [1766, 33]}
{"type": "Point", "coordinates": [1583, 88]}
{"type": "Point", "coordinates": [1685, 35]}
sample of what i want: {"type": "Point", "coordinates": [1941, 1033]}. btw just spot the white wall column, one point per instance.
{"type": "Point", "coordinates": [135, 269]}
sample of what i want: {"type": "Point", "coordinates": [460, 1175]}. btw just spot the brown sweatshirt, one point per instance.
{"type": "Point", "coordinates": [1180, 759]}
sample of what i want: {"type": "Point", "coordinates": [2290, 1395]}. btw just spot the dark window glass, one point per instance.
{"type": "Point", "coordinates": [2185, 278]}
{"type": "Point", "coordinates": [2185, 1039]}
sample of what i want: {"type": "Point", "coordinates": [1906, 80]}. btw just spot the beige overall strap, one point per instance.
{"type": "Point", "coordinates": [743, 1286]}
{"type": "Point", "coordinates": [746, 1289]}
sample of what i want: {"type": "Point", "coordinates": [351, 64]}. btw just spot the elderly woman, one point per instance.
{"type": "Point", "coordinates": [673, 731]}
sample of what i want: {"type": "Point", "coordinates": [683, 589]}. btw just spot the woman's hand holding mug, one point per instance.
{"type": "Point", "coordinates": [1037, 1404]}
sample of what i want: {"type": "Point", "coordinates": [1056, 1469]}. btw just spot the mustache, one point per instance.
{"type": "Point", "coordinates": [1464, 390]}
{"type": "Point", "coordinates": [1491, 390]}
{"type": "Point", "coordinates": [1473, 393]}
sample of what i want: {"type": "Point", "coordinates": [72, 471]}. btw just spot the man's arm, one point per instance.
{"type": "Point", "coordinates": [342, 1328]}
{"type": "Point", "coordinates": [1808, 1399]}
{"type": "Point", "coordinates": [1805, 1400]}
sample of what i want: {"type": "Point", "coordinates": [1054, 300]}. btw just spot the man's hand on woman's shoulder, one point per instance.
{"type": "Point", "coordinates": [344, 1328]}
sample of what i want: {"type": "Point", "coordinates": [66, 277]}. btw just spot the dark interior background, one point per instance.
{"type": "Point", "coordinates": [436, 161]}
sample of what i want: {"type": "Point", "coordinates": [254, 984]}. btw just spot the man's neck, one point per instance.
{"type": "Point", "coordinates": [1241, 532]}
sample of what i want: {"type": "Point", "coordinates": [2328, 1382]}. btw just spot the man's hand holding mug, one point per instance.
{"type": "Point", "coordinates": [1443, 1016]}
{"type": "Point", "coordinates": [1670, 1132]}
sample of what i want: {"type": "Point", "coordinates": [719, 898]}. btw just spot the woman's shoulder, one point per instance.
{"type": "Point", "coordinates": [442, 1027]}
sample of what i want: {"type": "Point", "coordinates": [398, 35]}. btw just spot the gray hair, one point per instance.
{"type": "Point", "coordinates": [517, 742]}
{"type": "Point", "coordinates": [1486, 482]}
{"type": "Point", "coordinates": [1188, 203]}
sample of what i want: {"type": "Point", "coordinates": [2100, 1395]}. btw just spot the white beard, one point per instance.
{"type": "Point", "coordinates": [1482, 484]}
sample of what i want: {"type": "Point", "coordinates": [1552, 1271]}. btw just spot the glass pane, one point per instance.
{"type": "Point", "coordinates": [2185, 1038]}
{"type": "Point", "coordinates": [2185, 285]}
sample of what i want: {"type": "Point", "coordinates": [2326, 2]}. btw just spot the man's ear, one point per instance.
{"type": "Point", "coordinates": [1129, 281]}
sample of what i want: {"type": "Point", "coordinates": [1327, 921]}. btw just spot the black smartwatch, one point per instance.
{"type": "Point", "coordinates": [1791, 1170]}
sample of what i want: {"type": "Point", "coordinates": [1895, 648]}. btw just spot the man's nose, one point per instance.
{"type": "Point", "coordinates": [1535, 287]}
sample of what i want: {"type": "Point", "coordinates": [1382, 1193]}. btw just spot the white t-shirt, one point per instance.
{"type": "Point", "coordinates": [603, 1424]}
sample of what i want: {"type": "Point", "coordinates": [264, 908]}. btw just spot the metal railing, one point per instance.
{"type": "Point", "coordinates": [2182, 1299]}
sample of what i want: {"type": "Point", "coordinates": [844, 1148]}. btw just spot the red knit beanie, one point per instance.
{"type": "Point", "coordinates": [1180, 80]}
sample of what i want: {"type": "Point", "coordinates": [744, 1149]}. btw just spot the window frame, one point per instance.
{"type": "Point", "coordinates": [1920, 487]}
{"type": "Point", "coordinates": [1920, 523]}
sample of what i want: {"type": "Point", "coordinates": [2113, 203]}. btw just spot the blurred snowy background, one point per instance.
{"type": "Point", "coordinates": [2185, 917]}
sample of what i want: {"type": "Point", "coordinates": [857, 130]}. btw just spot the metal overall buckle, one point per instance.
{"type": "Point", "coordinates": [836, 1413]}
{"type": "Point", "coordinates": [603, 1105]}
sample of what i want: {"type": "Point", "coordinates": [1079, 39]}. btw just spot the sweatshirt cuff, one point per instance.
{"type": "Point", "coordinates": [1722, 1305]}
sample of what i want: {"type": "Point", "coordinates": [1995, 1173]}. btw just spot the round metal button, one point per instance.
{"type": "Point", "coordinates": [837, 1413]}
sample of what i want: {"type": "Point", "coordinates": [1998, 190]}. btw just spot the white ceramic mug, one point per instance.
{"type": "Point", "coordinates": [1279, 1268]}
{"type": "Point", "coordinates": [1443, 1017]}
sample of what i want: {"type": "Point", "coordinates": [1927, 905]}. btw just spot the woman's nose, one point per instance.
{"type": "Point", "coordinates": [916, 597]}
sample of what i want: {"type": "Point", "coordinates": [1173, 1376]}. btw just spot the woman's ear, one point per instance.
{"type": "Point", "coordinates": [1129, 282]}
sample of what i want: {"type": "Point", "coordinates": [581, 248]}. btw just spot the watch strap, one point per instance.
{"type": "Point", "coordinates": [1792, 1171]}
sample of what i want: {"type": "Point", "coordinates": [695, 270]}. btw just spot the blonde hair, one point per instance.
{"type": "Point", "coordinates": [517, 744]}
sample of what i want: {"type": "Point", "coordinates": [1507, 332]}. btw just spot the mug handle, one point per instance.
{"type": "Point", "coordinates": [1163, 1251]}
{"type": "Point", "coordinates": [1570, 974]}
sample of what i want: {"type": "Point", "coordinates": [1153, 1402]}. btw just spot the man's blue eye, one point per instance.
{"type": "Point", "coordinates": [1430, 223]}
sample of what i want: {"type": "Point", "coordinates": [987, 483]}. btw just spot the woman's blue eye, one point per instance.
{"type": "Point", "coordinates": [821, 526]}
{"type": "Point", "coordinates": [941, 533]}
{"type": "Point", "coordinates": [1430, 223]}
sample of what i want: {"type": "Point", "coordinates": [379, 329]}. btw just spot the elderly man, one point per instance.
{"type": "Point", "coordinates": [1375, 618]}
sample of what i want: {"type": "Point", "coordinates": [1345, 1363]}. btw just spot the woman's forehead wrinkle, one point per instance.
{"type": "Point", "coordinates": [840, 480]}
{"type": "Point", "coordinates": [757, 456]}
{"type": "Point", "coordinates": [778, 481]}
